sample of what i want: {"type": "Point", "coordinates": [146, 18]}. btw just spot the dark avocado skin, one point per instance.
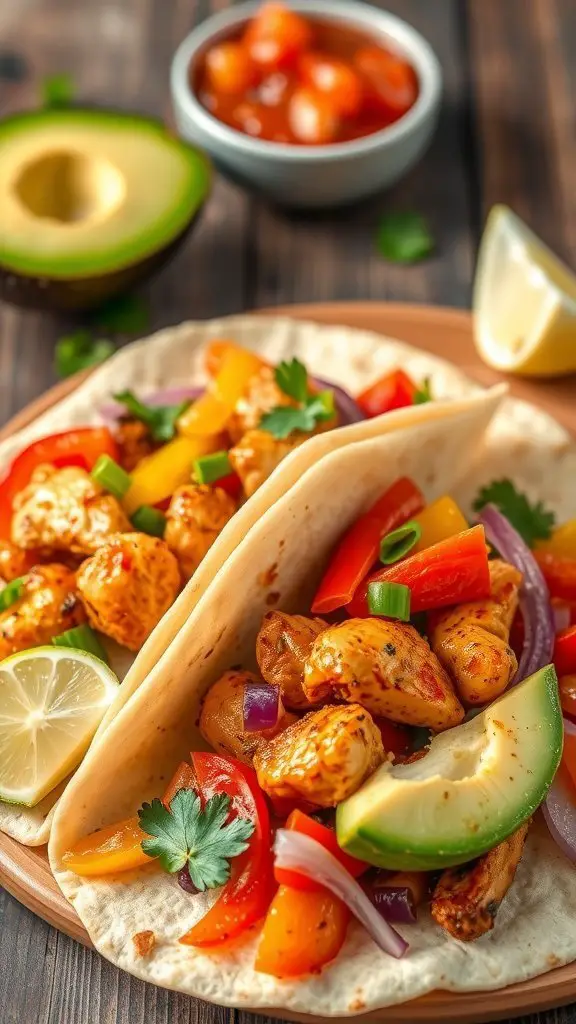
{"type": "Point", "coordinates": [54, 294]}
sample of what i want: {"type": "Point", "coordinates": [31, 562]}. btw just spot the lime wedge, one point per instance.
{"type": "Point", "coordinates": [524, 301]}
{"type": "Point", "coordinates": [51, 703]}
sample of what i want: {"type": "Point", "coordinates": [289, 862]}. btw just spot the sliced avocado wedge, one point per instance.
{"type": "Point", "coordinates": [475, 786]}
{"type": "Point", "coordinates": [91, 201]}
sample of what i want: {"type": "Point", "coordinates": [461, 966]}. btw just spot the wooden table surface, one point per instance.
{"type": "Point", "coordinates": [506, 135]}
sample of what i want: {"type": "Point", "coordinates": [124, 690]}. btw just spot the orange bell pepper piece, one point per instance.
{"type": "Point", "coordinates": [210, 414]}
{"type": "Point", "coordinates": [216, 352]}
{"type": "Point", "coordinates": [184, 778]}
{"type": "Point", "coordinates": [438, 521]}
{"type": "Point", "coordinates": [562, 543]}
{"type": "Point", "coordinates": [302, 932]}
{"type": "Point", "coordinates": [110, 850]}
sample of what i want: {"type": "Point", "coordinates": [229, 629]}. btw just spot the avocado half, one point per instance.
{"type": "Point", "coordinates": [91, 202]}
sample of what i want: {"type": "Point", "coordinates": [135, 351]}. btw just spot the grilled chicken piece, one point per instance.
{"type": "Point", "coordinates": [256, 455]}
{"type": "Point", "coordinates": [49, 606]}
{"type": "Point", "coordinates": [196, 516]}
{"type": "Point", "coordinates": [262, 395]}
{"type": "Point", "coordinates": [466, 898]}
{"type": "Point", "coordinates": [128, 585]}
{"type": "Point", "coordinates": [134, 442]}
{"type": "Point", "coordinates": [282, 646]}
{"type": "Point", "coordinates": [321, 759]}
{"type": "Point", "coordinates": [16, 561]}
{"type": "Point", "coordinates": [65, 510]}
{"type": "Point", "coordinates": [387, 667]}
{"type": "Point", "coordinates": [471, 640]}
{"type": "Point", "coordinates": [222, 718]}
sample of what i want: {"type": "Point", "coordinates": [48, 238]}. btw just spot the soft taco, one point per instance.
{"type": "Point", "coordinates": [120, 504]}
{"type": "Point", "coordinates": [353, 656]}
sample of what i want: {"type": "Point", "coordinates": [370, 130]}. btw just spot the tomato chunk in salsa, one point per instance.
{"type": "Point", "coordinates": [305, 81]}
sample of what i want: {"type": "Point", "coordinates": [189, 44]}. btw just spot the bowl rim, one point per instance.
{"type": "Point", "coordinates": [381, 23]}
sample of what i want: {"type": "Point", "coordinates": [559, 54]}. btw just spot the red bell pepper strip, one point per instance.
{"type": "Point", "coordinates": [567, 687]}
{"type": "Point", "coordinates": [560, 575]}
{"type": "Point", "coordinates": [565, 652]}
{"type": "Point", "coordinates": [359, 547]}
{"type": "Point", "coordinates": [300, 822]}
{"type": "Point", "coordinates": [451, 572]}
{"type": "Point", "coordinates": [395, 737]}
{"type": "Point", "coordinates": [246, 896]}
{"type": "Point", "coordinates": [65, 449]}
{"type": "Point", "coordinates": [393, 391]}
{"type": "Point", "coordinates": [231, 483]}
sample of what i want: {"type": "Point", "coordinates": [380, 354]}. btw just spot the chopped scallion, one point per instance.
{"type": "Point", "coordinates": [391, 600]}
{"type": "Point", "coordinates": [81, 638]}
{"type": "Point", "coordinates": [11, 593]}
{"type": "Point", "coordinates": [210, 468]}
{"type": "Point", "coordinates": [111, 476]}
{"type": "Point", "coordinates": [149, 520]}
{"type": "Point", "coordinates": [399, 542]}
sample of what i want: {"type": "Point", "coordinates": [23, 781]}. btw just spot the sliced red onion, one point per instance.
{"type": "Point", "coordinates": [348, 410]}
{"type": "Point", "coordinates": [261, 706]}
{"type": "Point", "coordinates": [561, 613]}
{"type": "Point", "coordinates": [534, 596]}
{"type": "Point", "coordinates": [112, 411]}
{"type": "Point", "coordinates": [559, 807]}
{"type": "Point", "coordinates": [298, 852]}
{"type": "Point", "coordinates": [185, 882]}
{"type": "Point", "coordinates": [394, 902]}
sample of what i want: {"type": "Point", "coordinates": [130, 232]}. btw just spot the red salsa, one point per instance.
{"type": "Point", "coordinates": [289, 78]}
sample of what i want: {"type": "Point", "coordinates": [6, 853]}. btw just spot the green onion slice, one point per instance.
{"type": "Point", "coordinates": [11, 593]}
{"type": "Point", "coordinates": [391, 600]}
{"type": "Point", "coordinates": [111, 476]}
{"type": "Point", "coordinates": [150, 520]}
{"type": "Point", "coordinates": [399, 542]}
{"type": "Point", "coordinates": [212, 467]}
{"type": "Point", "coordinates": [81, 638]}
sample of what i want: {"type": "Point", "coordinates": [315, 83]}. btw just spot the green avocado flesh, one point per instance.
{"type": "Point", "coordinates": [477, 784]}
{"type": "Point", "coordinates": [86, 193]}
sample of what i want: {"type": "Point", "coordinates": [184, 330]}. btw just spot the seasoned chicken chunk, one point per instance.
{"type": "Point", "coordinates": [466, 898]}
{"type": "Point", "coordinates": [471, 640]}
{"type": "Point", "coordinates": [49, 606]}
{"type": "Point", "coordinates": [134, 442]}
{"type": "Point", "coordinates": [15, 561]}
{"type": "Point", "coordinates": [256, 455]}
{"type": "Point", "coordinates": [282, 646]}
{"type": "Point", "coordinates": [196, 516]}
{"type": "Point", "coordinates": [222, 718]}
{"type": "Point", "coordinates": [65, 510]}
{"type": "Point", "coordinates": [387, 667]}
{"type": "Point", "coordinates": [321, 759]}
{"type": "Point", "coordinates": [261, 396]}
{"type": "Point", "coordinates": [128, 585]}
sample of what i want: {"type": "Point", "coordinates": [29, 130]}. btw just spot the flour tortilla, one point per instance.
{"type": "Point", "coordinates": [174, 357]}
{"type": "Point", "coordinates": [135, 758]}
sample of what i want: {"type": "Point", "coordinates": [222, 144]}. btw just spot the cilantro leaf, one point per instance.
{"type": "Point", "coordinates": [126, 314]}
{"type": "Point", "coordinates": [532, 521]}
{"type": "Point", "coordinates": [160, 419]}
{"type": "Point", "coordinates": [424, 393]}
{"type": "Point", "coordinates": [404, 237]}
{"type": "Point", "coordinates": [199, 838]}
{"type": "Point", "coordinates": [79, 351]}
{"type": "Point", "coordinates": [285, 419]}
{"type": "Point", "coordinates": [57, 91]}
{"type": "Point", "coordinates": [292, 379]}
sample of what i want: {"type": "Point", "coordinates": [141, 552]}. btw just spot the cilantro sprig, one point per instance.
{"type": "Point", "coordinates": [404, 237]}
{"type": "Point", "coordinates": [532, 520]}
{"type": "Point", "coordinates": [424, 393]}
{"type": "Point", "coordinates": [200, 838]}
{"type": "Point", "coordinates": [57, 91]}
{"type": "Point", "coordinates": [160, 419]}
{"type": "Point", "coordinates": [312, 408]}
{"type": "Point", "coordinates": [80, 351]}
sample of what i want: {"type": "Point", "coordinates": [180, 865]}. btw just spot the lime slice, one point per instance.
{"type": "Point", "coordinates": [51, 703]}
{"type": "Point", "coordinates": [524, 301]}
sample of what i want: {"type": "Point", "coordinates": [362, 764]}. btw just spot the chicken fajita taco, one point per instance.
{"type": "Point", "coordinates": [325, 797]}
{"type": "Point", "coordinates": [119, 505]}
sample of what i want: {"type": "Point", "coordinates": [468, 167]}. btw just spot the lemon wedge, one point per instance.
{"type": "Point", "coordinates": [51, 703]}
{"type": "Point", "coordinates": [524, 301]}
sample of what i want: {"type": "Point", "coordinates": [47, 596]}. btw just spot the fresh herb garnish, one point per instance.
{"type": "Point", "coordinates": [404, 237]}
{"type": "Point", "coordinates": [424, 393]}
{"type": "Point", "coordinates": [57, 91]}
{"type": "Point", "coordinates": [292, 379]}
{"type": "Point", "coordinates": [532, 521]}
{"type": "Point", "coordinates": [160, 419]}
{"type": "Point", "coordinates": [126, 314]}
{"type": "Point", "coordinates": [201, 839]}
{"type": "Point", "coordinates": [79, 351]}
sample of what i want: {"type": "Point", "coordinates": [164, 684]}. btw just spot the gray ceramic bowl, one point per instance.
{"type": "Point", "coordinates": [313, 176]}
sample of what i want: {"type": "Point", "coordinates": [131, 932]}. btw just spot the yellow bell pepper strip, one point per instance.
{"type": "Point", "coordinates": [561, 543]}
{"type": "Point", "coordinates": [158, 476]}
{"type": "Point", "coordinates": [210, 414]}
{"type": "Point", "coordinates": [110, 850]}
{"type": "Point", "coordinates": [217, 351]}
{"type": "Point", "coordinates": [438, 521]}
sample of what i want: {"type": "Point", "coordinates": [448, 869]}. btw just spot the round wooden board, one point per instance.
{"type": "Point", "coordinates": [25, 872]}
